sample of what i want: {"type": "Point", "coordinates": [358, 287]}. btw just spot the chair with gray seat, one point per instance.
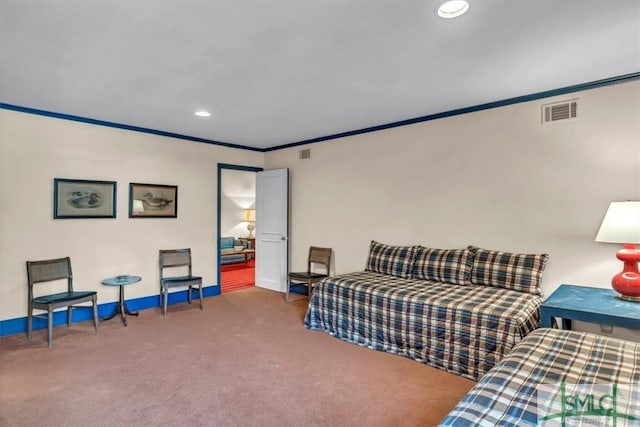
{"type": "Point", "coordinates": [51, 270]}
{"type": "Point", "coordinates": [318, 257]}
{"type": "Point", "coordinates": [174, 259]}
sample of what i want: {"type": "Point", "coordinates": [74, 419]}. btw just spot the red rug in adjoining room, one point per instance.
{"type": "Point", "coordinates": [237, 276]}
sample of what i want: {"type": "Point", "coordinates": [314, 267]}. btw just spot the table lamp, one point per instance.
{"type": "Point", "coordinates": [250, 216]}
{"type": "Point", "coordinates": [621, 224]}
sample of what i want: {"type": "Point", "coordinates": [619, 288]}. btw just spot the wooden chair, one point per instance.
{"type": "Point", "coordinates": [47, 271]}
{"type": "Point", "coordinates": [170, 258]}
{"type": "Point", "coordinates": [317, 257]}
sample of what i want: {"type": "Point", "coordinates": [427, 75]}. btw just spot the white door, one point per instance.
{"type": "Point", "coordinates": [272, 229]}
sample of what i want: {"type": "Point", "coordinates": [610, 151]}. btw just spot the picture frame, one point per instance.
{"type": "Point", "coordinates": [81, 198]}
{"type": "Point", "coordinates": [153, 200]}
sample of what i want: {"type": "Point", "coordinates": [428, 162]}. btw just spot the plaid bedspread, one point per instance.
{"type": "Point", "coordinates": [508, 394]}
{"type": "Point", "coordinates": [460, 329]}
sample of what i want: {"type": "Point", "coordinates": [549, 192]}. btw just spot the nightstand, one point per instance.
{"type": "Point", "coordinates": [252, 242]}
{"type": "Point", "coordinates": [593, 305]}
{"type": "Point", "coordinates": [252, 245]}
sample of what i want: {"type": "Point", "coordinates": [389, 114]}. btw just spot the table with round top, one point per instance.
{"type": "Point", "coordinates": [121, 307]}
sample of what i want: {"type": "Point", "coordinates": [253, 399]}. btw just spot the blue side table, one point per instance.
{"type": "Point", "coordinates": [593, 305]}
{"type": "Point", "coordinates": [121, 307]}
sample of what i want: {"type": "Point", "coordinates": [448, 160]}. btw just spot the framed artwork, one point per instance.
{"type": "Point", "coordinates": [153, 200]}
{"type": "Point", "coordinates": [78, 198]}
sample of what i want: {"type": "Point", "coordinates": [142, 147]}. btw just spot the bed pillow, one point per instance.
{"type": "Point", "coordinates": [394, 260]}
{"type": "Point", "coordinates": [520, 272]}
{"type": "Point", "coordinates": [443, 265]}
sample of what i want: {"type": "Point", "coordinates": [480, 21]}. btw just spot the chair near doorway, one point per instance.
{"type": "Point", "coordinates": [53, 270]}
{"type": "Point", "coordinates": [317, 257]}
{"type": "Point", "coordinates": [171, 258]}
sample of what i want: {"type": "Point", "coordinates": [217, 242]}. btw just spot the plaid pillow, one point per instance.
{"type": "Point", "coordinates": [444, 265]}
{"type": "Point", "coordinates": [393, 260]}
{"type": "Point", "coordinates": [520, 272]}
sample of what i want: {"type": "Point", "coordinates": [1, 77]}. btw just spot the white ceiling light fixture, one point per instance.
{"type": "Point", "coordinates": [202, 113]}
{"type": "Point", "coordinates": [453, 9]}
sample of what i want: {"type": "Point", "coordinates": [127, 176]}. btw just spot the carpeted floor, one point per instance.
{"type": "Point", "coordinates": [245, 360]}
{"type": "Point", "coordinates": [234, 277]}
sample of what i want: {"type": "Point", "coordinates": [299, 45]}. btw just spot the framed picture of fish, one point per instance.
{"type": "Point", "coordinates": [79, 198]}
{"type": "Point", "coordinates": [153, 201]}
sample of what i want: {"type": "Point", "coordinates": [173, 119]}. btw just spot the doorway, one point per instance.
{"type": "Point", "coordinates": [236, 227]}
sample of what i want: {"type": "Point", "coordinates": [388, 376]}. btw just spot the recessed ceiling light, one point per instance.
{"type": "Point", "coordinates": [203, 113]}
{"type": "Point", "coordinates": [453, 9]}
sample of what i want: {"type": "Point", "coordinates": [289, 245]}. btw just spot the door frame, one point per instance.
{"type": "Point", "coordinates": [222, 166]}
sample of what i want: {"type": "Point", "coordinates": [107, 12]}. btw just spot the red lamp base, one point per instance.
{"type": "Point", "coordinates": [627, 282]}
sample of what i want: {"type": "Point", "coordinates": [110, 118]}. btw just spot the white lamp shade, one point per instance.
{"type": "Point", "coordinates": [249, 215]}
{"type": "Point", "coordinates": [621, 223]}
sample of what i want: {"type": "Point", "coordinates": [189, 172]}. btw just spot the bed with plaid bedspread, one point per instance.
{"type": "Point", "coordinates": [543, 361]}
{"type": "Point", "coordinates": [464, 330]}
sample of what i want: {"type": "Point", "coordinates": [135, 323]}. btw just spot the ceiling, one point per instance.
{"type": "Point", "coordinates": [279, 72]}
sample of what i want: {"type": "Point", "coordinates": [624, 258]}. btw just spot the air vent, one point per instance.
{"type": "Point", "coordinates": [560, 111]}
{"type": "Point", "coordinates": [305, 154]}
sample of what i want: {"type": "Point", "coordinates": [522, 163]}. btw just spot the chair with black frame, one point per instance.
{"type": "Point", "coordinates": [176, 258]}
{"type": "Point", "coordinates": [317, 257]}
{"type": "Point", "coordinates": [55, 270]}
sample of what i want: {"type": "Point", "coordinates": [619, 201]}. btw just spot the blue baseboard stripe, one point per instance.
{"type": "Point", "coordinates": [83, 313]}
{"type": "Point", "coordinates": [299, 289]}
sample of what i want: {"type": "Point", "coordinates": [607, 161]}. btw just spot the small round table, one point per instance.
{"type": "Point", "coordinates": [121, 307]}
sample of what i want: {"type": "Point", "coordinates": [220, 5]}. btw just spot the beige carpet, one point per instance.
{"type": "Point", "coordinates": [246, 360]}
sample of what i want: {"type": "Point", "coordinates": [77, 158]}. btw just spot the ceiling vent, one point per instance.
{"type": "Point", "coordinates": [560, 111]}
{"type": "Point", "coordinates": [305, 154]}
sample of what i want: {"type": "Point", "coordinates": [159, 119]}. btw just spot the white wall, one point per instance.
{"type": "Point", "coordinates": [496, 178]}
{"type": "Point", "coordinates": [34, 150]}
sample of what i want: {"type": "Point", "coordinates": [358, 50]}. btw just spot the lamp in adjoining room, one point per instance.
{"type": "Point", "coordinates": [249, 216]}
{"type": "Point", "coordinates": [621, 224]}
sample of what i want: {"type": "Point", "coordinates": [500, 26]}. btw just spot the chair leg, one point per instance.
{"type": "Point", "coordinates": [165, 295]}
{"type": "Point", "coordinates": [29, 321]}
{"type": "Point", "coordinates": [95, 314]}
{"type": "Point", "coordinates": [69, 316]}
{"type": "Point", "coordinates": [50, 327]}
{"type": "Point", "coordinates": [189, 294]}
{"type": "Point", "coordinates": [201, 297]}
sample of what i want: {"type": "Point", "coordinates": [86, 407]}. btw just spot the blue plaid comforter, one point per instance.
{"type": "Point", "coordinates": [526, 386]}
{"type": "Point", "coordinates": [464, 330]}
